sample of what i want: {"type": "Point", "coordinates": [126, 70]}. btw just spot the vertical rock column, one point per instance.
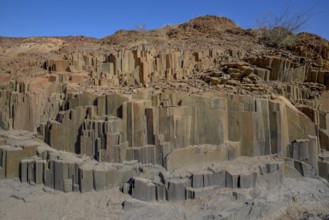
{"type": "Point", "coordinates": [137, 135]}
{"type": "Point", "coordinates": [101, 139]}
{"type": "Point", "coordinates": [305, 150]}
{"type": "Point", "coordinates": [64, 134]}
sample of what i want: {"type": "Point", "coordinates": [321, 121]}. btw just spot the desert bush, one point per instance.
{"type": "Point", "coordinates": [140, 28]}
{"type": "Point", "coordinates": [280, 30]}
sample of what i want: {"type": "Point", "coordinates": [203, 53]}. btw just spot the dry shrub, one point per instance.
{"type": "Point", "coordinates": [280, 30]}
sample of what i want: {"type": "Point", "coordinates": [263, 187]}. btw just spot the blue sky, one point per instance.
{"type": "Point", "coordinates": [99, 18]}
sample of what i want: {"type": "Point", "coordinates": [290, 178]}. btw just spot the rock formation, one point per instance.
{"type": "Point", "coordinates": [163, 119]}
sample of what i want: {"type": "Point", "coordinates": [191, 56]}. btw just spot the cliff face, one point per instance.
{"type": "Point", "coordinates": [183, 97]}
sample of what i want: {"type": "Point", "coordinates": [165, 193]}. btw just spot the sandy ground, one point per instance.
{"type": "Point", "coordinates": [294, 199]}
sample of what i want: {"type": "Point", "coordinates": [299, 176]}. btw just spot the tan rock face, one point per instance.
{"type": "Point", "coordinates": [116, 128]}
{"type": "Point", "coordinates": [133, 115]}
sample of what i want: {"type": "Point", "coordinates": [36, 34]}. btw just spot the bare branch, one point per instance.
{"type": "Point", "coordinates": [277, 30]}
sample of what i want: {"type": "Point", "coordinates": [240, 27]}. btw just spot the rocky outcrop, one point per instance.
{"type": "Point", "coordinates": [164, 122]}
{"type": "Point", "coordinates": [68, 173]}
{"type": "Point", "coordinates": [160, 128]}
{"type": "Point", "coordinates": [204, 182]}
{"type": "Point", "coordinates": [167, 128]}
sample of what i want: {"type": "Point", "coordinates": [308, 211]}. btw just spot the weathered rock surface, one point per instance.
{"type": "Point", "coordinates": [167, 115]}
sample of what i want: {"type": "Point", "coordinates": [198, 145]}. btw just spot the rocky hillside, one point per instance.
{"type": "Point", "coordinates": [197, 110]}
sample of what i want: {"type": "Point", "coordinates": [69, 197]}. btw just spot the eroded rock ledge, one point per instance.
{"type": "Point", "coordinates": [169, 131]}
{"type": "Point", "coordinates": [163, 124]}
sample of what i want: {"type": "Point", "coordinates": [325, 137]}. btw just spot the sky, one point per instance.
{"type": "Point", "coordinates": [100, 18]}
